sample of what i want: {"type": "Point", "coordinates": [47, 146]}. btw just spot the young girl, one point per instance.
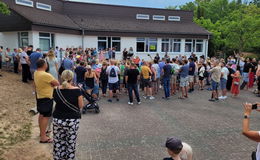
{"type": "Point", "coordinates": [235, 84]}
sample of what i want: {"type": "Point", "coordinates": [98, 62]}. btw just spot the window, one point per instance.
{"type": "Point", "coordinates": [23, 39]}
{"type": "Point", "coordinates": [159, 17]}
{"type": "Point", "coordinates": [188, 45]}
{"type": "Point", "coordinates": [43, 6]}
{"type": "Point", "coordinates": [174, 18]}
{"type": "Point", "coordinates": [27, 3]}
{"type": "Point", "coordinates": [143, 16]}
{"type": "Point", "coordinates": [146, 45]}
{"type": "Point", "coordinates": [176, 45]}
{"type": "Point", "coordinates": [109, 42]}
{"type": "Point", "coordinates": [46, 41]}
{"type": "Point", "coordinates": [199, 45]}
{"type": "Point", "coordinates": [165, 45]}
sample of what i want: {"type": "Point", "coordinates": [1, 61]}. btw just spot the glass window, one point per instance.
{"type": "Point", "coordinates": [158, 17]}
{"type": "Point", "coordinates": [102, 45]}
{"type": "Point", "coordinates": [102, 38]}
{"type": "Point", "coordinates": [24, 2]}
{"type": "Point", "coordinates": [146, 45]}
{"type": "Point", "coordinates": [166, 45]}
{"type": "Point", "coordinates": [188, 45]}
{"type": "Point", "coordinates": [174, 18]}
{"type": "Point", "coordinates": [199, 45]}
{"type": "Point", "coordinates": [152, 45]}
{"type": "Point", "coordinates": [108, 42]}
{"type": "Point", "coordinates": [46, 41]}
{"type": "Point", "coordinates": [23, 39]}
{"type": "Point", "coordinates": [43, 6]}
{"type": "Point", "coordinates": [140, 46]}
{"type": "Point", "coordinates": [176, 45]}
{"type": "Point", "coordinates": [142, 16]}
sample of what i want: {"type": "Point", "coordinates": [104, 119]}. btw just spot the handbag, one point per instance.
{"type": "Point", "coordinates": [236, 83]}
{"type": "Point", "coordinates": [253, 155]}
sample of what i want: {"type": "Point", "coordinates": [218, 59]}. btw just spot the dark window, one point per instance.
{"type": "Point", "coordinates": [140, 46]}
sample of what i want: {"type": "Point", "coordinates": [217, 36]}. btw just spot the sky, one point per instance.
{"type": "Point", "coordinates": [141, 3]}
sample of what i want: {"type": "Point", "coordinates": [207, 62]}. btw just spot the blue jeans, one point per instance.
{"type": "Point", "coordinates": [132, 87]}
{"type": "Point", "coordinates": [166, 86]}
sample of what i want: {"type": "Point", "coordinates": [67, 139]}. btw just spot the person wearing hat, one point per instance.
{"type": "Point", "coordinates": [178, 150]}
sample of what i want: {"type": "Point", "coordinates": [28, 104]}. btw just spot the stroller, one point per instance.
{"type": "Point", "coordinates": [92, 102]}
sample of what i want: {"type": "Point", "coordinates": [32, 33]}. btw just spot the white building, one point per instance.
{"type": "Point", "coordinates": [49, 23]}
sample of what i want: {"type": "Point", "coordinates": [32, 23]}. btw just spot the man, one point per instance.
{"type": "Point", "coordinates": [1, 55]}
{"type": "Point", "coordinates": [132, 76]}
{"type": "Point", "coordinates": [166, 79]}
{"type": "Point", "coordinates": [184, 79]}
{"type": "Point", "coordinates": [112, 72]}
{"type": "Point", "coordinates": [223, 80]}
{"type": "Point", "coordinates": [80, 72]}
{"type": "Point", "coordinates": [191, 74]}
{"type": "Point", "coordinates": [24, 61]}
{"type": "Point", "coordinates": [29, 51]}
{"type": "Point", "coordinates": [34, 57]}
{"type": "Point", "coordinates": [44, 83]}
{"type": "Point", "coordinates": [175, 71]}
{"type": "Point", "coordinates": [146, 74]}
{"type": "Point", "coordinates": [246, 72]}
{"type": "Point", "coordinates": [15, 56]}
{"type": "Point", "coordinates": [215, 79]}
{"type": "Point", "coordinates": [68, 63]}
{"type": "Point", "coordinates": [178, 150]}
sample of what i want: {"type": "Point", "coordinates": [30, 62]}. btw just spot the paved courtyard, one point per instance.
{"type": "Point", "coordinates": [123, 132]}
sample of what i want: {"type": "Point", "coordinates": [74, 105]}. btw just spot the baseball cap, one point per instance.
{"type": "Point", "coordinates": [173, 144]}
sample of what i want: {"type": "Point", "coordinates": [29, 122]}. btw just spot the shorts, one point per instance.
{"type": "Point", "coordinates": [191, 79]}
{"type": "Point", "coordinates": [147, 83]}
{"type": "Point", "coordinates": [245, 77]}
{"type": "Point", "coordinates": [32, 72]}
{"type": "Point", "coordinates": [223, 83]}
{"type": "Point", "coordinates": [95, 89]}
{"type": "Point", "coordinates": [184, 81]}
{"type": "Point", "coordinates": [214, 85]}
{"type": "Point", "coordinates": [201, 78]}
{"type": "Point", "coordinates": [88, 87]}
{"type": "Point", "coordinates": [113, 86]}
{"type": "Point", "coordinates": [45, 106]}
{"type": "Point", "coordinates": [173, 79]}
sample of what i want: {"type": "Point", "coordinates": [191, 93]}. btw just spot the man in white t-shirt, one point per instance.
{"type": "Point", "coordinates": [113, 80]}
{"type": "Point", "coordinates": [223, 80]}
{"type": "Point", "coordinates": [253, 135]}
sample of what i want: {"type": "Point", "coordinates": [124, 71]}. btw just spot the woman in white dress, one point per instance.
{"type": "Point", "coordinates": [53, 64]}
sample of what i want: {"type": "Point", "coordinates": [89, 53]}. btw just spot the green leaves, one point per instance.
{"type": "Point", "coordinates": [4, 9]}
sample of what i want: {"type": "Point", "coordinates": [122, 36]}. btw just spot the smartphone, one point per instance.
{"type": "Point", "coordinates": [254, 106]}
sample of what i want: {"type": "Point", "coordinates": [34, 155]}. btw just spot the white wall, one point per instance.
{"type": "Point", "coordinates": [67, 40]}
{"type": "Point", "coordinates": [90, 42]}
{"type": "Point", "coordinates": [34, 39]}
{"type": "Point", "coordinates": [2, 43]}
{"type": "Point", "coordinates": [9, 39]}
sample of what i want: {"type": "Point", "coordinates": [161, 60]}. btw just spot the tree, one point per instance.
{"type": "Point", "coordinates": [4, 8]}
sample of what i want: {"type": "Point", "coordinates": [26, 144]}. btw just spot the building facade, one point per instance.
{"type": "Point", "coordinates": [49, 23]}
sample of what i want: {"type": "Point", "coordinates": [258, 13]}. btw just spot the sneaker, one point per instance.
{"type": "Point", "coordinates": [151, 98]}
{"type": "Point", "coordinates": [144, 97]}
{"type": "Point", "coordinates": [33, 93]}
{"type": "Point", "coordinates": [138, 103]}
{"type": "Point", "coordinates": [216, 99]}
{"type": "Point", "coordinates": [225, 97]}
{"type": "Point", "coordinates": [109, 100]}
{"type": "Point", "coordinates": [212, 100]}
{"type": "Point", "coordinates": [221, 97]}
{"type": "Point", "coordinates": [130, 103]}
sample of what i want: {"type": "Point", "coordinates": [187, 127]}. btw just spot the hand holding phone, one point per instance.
{"type": "Point", "coordinates": [254, 106]}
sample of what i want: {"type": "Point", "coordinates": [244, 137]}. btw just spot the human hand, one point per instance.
{"type": "Point", "coordinates": [247, 108]}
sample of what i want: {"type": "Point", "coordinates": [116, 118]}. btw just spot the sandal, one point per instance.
{"type": "Point", "coordinates": [47, 141]}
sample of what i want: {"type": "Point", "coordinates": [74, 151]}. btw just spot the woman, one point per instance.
{"type": "Point", "coordinates": [130, 53]}
{"type": "Point", "coordinates": [66, 117]}
{"type": "Point", "coordinates": [104, 79]}
{"type": "Point", "coordinates": [8, 59]}
{"type": "Point", "coordinates": [125, 52]}
{"type": "Point", "coordinates": [24, 61]}
{"type": "Point", "coordinates": [202, 71]}
{"type": "Point", "coordinates": [90, 78]}
{"type": "Point", "coordinates": [235, 84]}
{"type": "Point", "coordinates": [230, 78]}
{"type": "Point", "coordinates": [52, 63]}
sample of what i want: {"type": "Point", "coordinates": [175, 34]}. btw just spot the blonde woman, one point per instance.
{"type": "Point", "coordinates": [90, 78]}
{"type": "Point", "coordinates": [53, 64]}
{"type": "Point", "coordinates": [66, 117]}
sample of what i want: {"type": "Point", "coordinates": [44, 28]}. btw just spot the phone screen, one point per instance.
{"type": "Point", "coordinates": [254, 106]}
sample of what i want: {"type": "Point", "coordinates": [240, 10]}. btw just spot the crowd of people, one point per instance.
{"type": "Point", "coordinates": [98, 73]}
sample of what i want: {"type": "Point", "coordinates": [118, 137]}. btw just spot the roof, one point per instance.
{"type": "Point", "coordinates": [107, 18]}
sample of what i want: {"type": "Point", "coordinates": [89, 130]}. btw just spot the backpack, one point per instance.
{"type": "Point", "coordinates": [205, 74]}
{"type": "Point", "coordinates": [103, 74]}
{"type": "Point", "coordinates": [112, 72]}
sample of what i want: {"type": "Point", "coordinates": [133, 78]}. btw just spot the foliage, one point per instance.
{"type": "Point", "coordinates": [4, 9]}
{"type": "Point", "coordinates": [235, 25]}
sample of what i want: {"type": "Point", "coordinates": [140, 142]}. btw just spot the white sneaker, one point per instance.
{"type": "Point", "coordinates": [130, 103]}
{"type": "Point", "coordinates": [144, 97]}
{"type": "Point", "coordinates": [138, 103]}
{"type": "Point", "coordinates": [221, 97]}
{"type": "Point", "coordinates": [225, 97]}
{"type": "Point", "coordinates": [151, 98]}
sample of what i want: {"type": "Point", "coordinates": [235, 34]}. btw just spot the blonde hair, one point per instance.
{"type": "Point", "coordinates": [51, 54]}
{"type": "Point", "coordinates": [66, 77]}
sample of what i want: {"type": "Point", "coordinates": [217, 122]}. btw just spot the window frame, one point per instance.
{"type": "Point", "coordinates": [22, 37]}
{"type": "Point", "coordinates": [43, 4]}
{"type": "Point", "coordinates": [24, 4]}
{"type": "Point", "coordinates": [174, 41]}
{"type": "Point", "coordinates": [200, 42]}
{"type": "Point", "coordinates": [142, 16]}
{"type": "Point", "coordinates": [147, 43]}
{"type": "Point", "coordinates": [159, 17]}
{"type": "Point", "coordinates": [174, 18]}
{"type": "Point", "coordinates": [51, 39]}
{"type": "Point", "coordinates": [186, 42]}
{"type": "Point", "coordinates": [109, 42]}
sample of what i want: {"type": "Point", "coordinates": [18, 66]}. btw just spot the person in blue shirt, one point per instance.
{"type": "Point", "coordinates": [68, 63]}
{"type": "Point", "coordinates": [184, 79]}
{"type": "Point", "coordinates": [34, 57]}
{"type": "Point", "coordinates": [162, 64]}
{"type": "Point", "coordinates": [191, 74]}
{"type": "Point", "coordinates": [166, 78]}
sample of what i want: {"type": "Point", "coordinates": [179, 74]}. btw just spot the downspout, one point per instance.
{"type": "Point", "coordinates": [83, 34]}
